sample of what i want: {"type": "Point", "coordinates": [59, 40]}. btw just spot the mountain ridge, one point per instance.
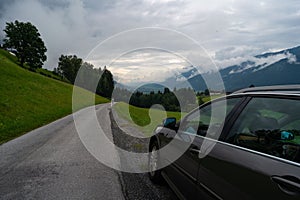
{"type": "Point", "coordinates": [284, 71]}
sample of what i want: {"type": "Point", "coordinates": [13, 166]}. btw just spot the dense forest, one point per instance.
{"type": "Point", "coordinates": [183, 99]}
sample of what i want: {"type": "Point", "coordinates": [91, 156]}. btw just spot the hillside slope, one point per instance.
{"type": "Point", "coordinates": [29, 100]}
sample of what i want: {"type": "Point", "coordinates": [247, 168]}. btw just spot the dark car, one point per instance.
{"type": "Point", "coordinates": [253, 151]}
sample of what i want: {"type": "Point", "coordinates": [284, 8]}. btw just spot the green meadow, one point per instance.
{"type": "Point", "coordinates": [29, 100]}
{"type": "Point", "coordinates": [143, 118]}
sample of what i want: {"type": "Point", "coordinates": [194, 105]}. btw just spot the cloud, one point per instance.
{"type": "Point", "coordinates": [265, 62]}
{"type": "Point", "coordinates": [292, 59]}
{"type": "Point", "coordinates": [147, 66]}
{"type": "Point", "coordinates": [229, 31]}
{"type": "Point", "coordinates": [63, 29]}
{"type": "Point", "coordinates": [235, 52]}
{"type": "Point", "coordinates": [261, 62]}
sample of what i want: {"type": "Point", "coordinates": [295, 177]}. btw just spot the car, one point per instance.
{"type": "Point", "coordinates": [253, 151]}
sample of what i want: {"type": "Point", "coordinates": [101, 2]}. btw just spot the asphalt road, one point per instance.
{"type": "Point", "coordinates": [52, 163]}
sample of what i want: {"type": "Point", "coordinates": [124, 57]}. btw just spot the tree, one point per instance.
{"type": "Point", "coordinates": [206, 92]}
{"type": "Point", "coordinates": [68, 66]}
{"type": "Point", "coordinates": [106, 83]}
{"type": "Point", "coordinates": [166, 90]}
{"type": "Point", "coordinates": [25, 39]}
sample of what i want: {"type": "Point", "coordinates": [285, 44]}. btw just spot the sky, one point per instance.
{"type": "Point", "coordinates": [228, 31]}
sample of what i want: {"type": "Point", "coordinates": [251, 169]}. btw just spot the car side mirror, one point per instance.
{"type": "Point", "coordinates": [285, 135]}
{"type": "Point", "coordinates": [170, 122]}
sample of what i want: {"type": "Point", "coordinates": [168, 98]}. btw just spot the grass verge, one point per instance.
{"type": "Point", "coordinates": [209, 98]}
{"type": "Point", "coordinates": [144, 119]}
{"type": "Point", "coordinates": [29, 100]}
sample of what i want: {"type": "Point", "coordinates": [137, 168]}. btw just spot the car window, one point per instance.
{"type": "Point", "coordinates": [199, 121]}
{"type": "Point", "coordinates": [269, 125]}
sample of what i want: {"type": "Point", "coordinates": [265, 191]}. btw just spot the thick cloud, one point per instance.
{"type": "Point", "coordinates": [228, 30]}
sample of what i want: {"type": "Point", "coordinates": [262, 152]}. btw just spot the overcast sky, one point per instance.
{"type": "Point", "coordinates": [229, 30]}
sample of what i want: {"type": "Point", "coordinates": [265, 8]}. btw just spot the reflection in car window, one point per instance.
{"type": "Point", "coordinates": [199, 121]}
{"type": "Point", "coordinates": [270, 126]}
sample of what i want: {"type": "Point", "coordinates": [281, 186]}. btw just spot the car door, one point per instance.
{"type": "Point", "coordinates": [259, 155]}
{"type": "Point", "coordinates": [184, 171]}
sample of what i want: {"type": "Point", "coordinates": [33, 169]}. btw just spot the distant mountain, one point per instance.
{"type": "Point", "coordinates": [122, 86]}
{"type": "Point", "coordinates": [152, 87]}
{"type": "Point", "coordinates": [146, 88]}
{"type": "Point", "coordinates": [284, 71]}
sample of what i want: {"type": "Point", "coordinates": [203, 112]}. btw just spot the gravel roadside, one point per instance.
{"type": "Point", "coordinates": [137, 185]}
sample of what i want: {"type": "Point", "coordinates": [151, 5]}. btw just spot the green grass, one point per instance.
{"type": "Point", "coordinates": [41, 71]}
{"type": "Point", "coordinates": [297, 139]}
{"type": "Point", "coordinates": [144, 119]}
{"type": "Point", "coordinates": [208, 98]}
{"type": "Point", "coordinates": [29, 100]}
{"type": "Point", "coordinates": [50, 74]}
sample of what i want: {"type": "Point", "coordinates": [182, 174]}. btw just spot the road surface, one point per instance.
{"type": "Point", "coordinates": [52, 163]}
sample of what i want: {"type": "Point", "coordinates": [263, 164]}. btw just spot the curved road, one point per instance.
{"type": "Point", "coordinates": [51, 163]}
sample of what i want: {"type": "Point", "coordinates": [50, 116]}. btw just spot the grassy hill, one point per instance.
{"type": "Point", "coordinates": [29, 100]}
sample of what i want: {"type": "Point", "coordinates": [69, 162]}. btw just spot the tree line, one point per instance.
{"type": "Point", "coordinates": [183, 99]}
{"type": "Point", "coordinates": [86, 75]}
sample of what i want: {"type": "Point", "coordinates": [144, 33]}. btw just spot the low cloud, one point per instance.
{"type": "Point", "coordinates": [236, 52]}
{"type": "Point", "coordinates": [261, 62]}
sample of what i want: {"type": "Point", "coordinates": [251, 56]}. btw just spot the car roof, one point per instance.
{"type": "Point", "coordinates": [278, 89]}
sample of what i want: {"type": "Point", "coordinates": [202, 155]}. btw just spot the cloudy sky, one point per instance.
{"type": "Point", "coordinates": [230, 31]}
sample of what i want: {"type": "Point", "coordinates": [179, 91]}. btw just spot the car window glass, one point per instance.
{"type": "Point", "coordinates": [269, 125]}
{"type": "Point", "coordinates": [199, 121]}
